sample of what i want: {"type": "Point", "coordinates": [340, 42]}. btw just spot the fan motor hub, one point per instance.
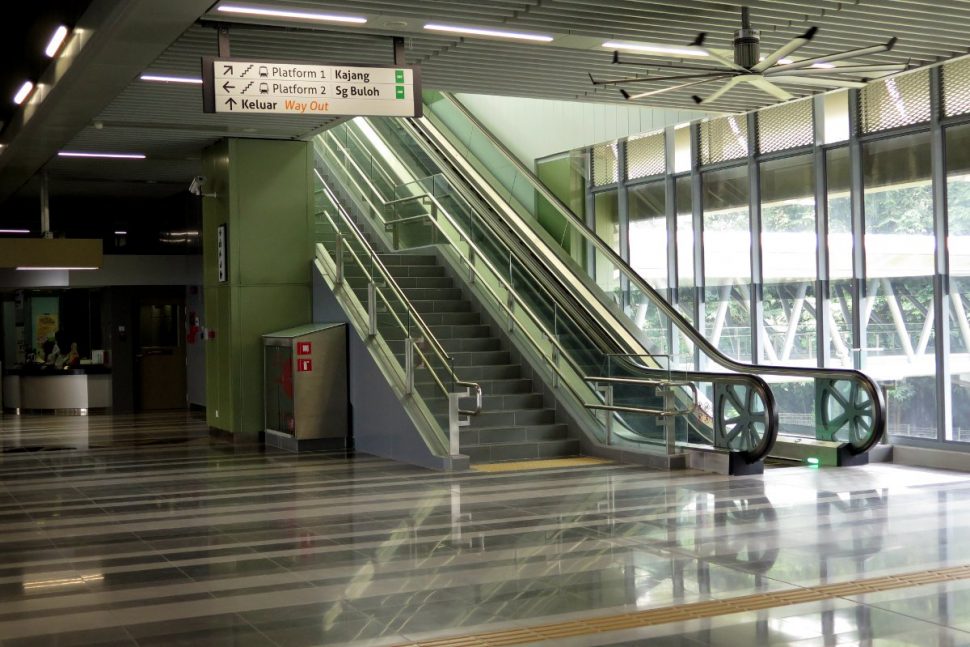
{"type": "Point", "coordinates": [747, 47]}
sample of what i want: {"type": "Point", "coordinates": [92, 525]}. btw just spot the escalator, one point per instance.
{"type": "Point", "coordinates": [622, 365]}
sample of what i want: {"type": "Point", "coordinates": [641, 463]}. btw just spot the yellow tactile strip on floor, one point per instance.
{"type": "Point", "coordinates": [544, 464]}
{"type": "Point", "coordinates": [696, 610]}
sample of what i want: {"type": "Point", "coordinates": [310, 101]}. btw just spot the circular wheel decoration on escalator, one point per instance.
{"type": "Point", "coordinates": [845, 412]}
{"type": "Point", "coordinates": [741, 418]}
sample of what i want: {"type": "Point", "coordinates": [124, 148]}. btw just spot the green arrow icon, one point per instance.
{"type": "Point", "coordinates": [400, 91]}
{"type": "Point", "coordinates": [399, 76]}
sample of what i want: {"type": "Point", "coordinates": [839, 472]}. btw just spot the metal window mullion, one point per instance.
{"type": "Point", "coordinates": [697, 216]}
{"type": "Point", "coordinates": [822, 276]}
{"type": "Point", "coordinates": [623, 219]}
{"type": "Point", "coordinates": [941, 273]}
{"type": "Point", "coordinates": [756, 298]}
{"type": "Point", "coordinates": [670, 213]}
{"type": "Point", "coordinates": [858, 216]}
{"type": "Point", "coordinates": [590, 215]}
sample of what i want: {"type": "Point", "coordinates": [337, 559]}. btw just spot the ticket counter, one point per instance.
{"type": "Point", "coordinates": [44, 389]}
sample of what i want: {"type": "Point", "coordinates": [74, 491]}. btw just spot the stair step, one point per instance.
{"type": "Point", "coordinates": [521, 451]}
{"type": "Point", "coordinates": [472, 436]}
{"type": "Point", "coordinates": [471, 344]}
{"type": "Point", "coordinates": [478, 373]}
{"type": "Point", "coordinates": [430, 282]}
{"type": "Point", "coordinates": [495, 402]}
{"type": "Point", "coordinates": [506, 387]}
{"type": "Point", "coordinates": [408, 259]}
{"type": "Point", "coordinates": [433, 319]}
{"type": "Point", "coordinates": [513, 417]}
{"type": "Point", "coordinates": [481, 358]}
{"type": "Point", "coordinates": [460, 331]}
{"type": "Point", "coordinates": [427, 294]}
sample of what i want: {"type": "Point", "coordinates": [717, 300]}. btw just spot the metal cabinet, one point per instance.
{"type": "Point", "coordinates": [305, 388]}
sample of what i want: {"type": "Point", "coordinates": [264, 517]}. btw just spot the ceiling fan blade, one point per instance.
{"type": "Point", "coordinates": [838, 56]}
{"type": "Point", "coordinates": [629, 97]}
{"type": "Point", "coordinates": [817, 82]}
{"type": "Point", "coordinates": [723, 60]}
{"type": "Point", "coordinates": [720, 92]}
{"type": "Point", "coordinates": [663, 66]}
{"type": "Point", "coordinates": [786, 49]}
{"type": "Point", "coordinates": [767, 87]}
{"type": "Point", "coordinates": [844, 69]}
{"type": "Point", "coordinates": [644, 79]}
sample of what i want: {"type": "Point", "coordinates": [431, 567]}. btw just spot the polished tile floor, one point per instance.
{"type": "Point", "coordinates": [141, 530]}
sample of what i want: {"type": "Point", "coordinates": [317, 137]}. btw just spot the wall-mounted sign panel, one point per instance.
{"type": "Point", "coordinates": [238, 86]}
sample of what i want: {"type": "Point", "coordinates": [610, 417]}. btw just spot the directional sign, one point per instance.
{"type": "Point", "coordinates": [273, 87]}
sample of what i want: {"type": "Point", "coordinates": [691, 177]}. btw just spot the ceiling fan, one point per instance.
{"type": "Point", "coordinates": [764, 73]}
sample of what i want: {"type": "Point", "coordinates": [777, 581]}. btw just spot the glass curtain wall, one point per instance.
{"type": "Point", "coordinates": [727, 261]}
{"type": "Point", "coordinates": [897, 314]}
{"type": "Point", "coordinates": [788, 253]}
{"type": "Point", "coordinates": [839, 335]}
{"type": "Point", "coordinates": [882, 303]}
{"type": "Point", "coordinates": [606, 214]}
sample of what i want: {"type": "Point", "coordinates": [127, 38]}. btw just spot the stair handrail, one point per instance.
{"type": "Point", "coordinates": [870, 386]}
{"type": "Point", "coordinates": [425, 330]}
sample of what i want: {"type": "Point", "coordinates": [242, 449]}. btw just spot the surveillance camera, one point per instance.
{"type": "Point", "coordinates": [197, 184]}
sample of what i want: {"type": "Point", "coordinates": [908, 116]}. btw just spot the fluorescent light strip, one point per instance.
{"type": "Point", "coordinates": [656, 49]}
{"type": "Point", "coordinates": [52, 269]}
{"type": "Point", "coordinates": [252, 10]}
{"type": "Point", "coordinates": [121, 233]}
{"type": "Point", "coordinates": [54, 44]}
{"type": "Point", "coordinates": [164, 78]}
{"type": "Point", "coordinates": [14, 231]}
{"type": "Point", "coordinates": [23, 92]}
{"type": "Point", "coordinates": [497, 33]}
{"type": "Point", "coordinates": [121, 156]}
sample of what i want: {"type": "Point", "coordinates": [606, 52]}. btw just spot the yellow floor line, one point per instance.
{"type": "Point", "coordinates": [695, 610]}
{"type": "Point", "coordinates": [551, 463]}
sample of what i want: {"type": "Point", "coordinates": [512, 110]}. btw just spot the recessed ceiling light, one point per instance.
{"type": "Point", "coordinates": [656, 49]}
{"type": "Point", "coordinates": [121, 156]}
{"type": "Point", "coordinates": [54, 44]}
{"type": "Point", "coordinates": [23, 92]}
{"type": "Point", "coordinates": [497, 33]}
{"type": "Point", "coordinates": [290, 14]}
{"type": "Point", "coordinates": [49, 269]}
{"type": "Point", "coordinates": [165, 78]}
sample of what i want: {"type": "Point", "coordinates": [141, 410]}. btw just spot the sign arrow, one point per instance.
{"type": "Point", "coordinates": [227, 87]}
{"type": "Point", "coordinates": [227, 69]}
{"type": "Point", "coordinates": [230, 102]}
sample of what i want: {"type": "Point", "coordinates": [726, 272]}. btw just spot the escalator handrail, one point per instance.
{"type": "Point", "coordinates": [870, 386]}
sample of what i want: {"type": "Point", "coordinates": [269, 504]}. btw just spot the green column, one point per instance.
{"type": "Point", "coordinates": [263, 194]}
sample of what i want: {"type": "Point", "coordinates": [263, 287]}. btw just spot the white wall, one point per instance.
{"type": "Point", "coordinates": [533, 128]}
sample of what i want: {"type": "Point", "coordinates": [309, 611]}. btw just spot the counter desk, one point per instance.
{"type": "Point", "coordinates": [44, 389]}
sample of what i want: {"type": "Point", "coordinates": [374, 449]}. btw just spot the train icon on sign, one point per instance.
{"type": "Point", "coordinates": [264, 88]}
{"type": "Point", "coordinates": [263, 71]}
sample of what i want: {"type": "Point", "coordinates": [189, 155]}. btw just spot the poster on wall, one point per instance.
{"type": "Point", "coordinates": [45, 326]}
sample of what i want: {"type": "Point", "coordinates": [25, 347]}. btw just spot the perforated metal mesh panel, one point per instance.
{"type": "Point", "coordinates": [900, 100]}
{"type": "Point", "coordinates": [606, 169]}
{"type": "Point", "coordinates": [786, 126]}
{"type": "Point", "coordinates": [645, 155]}
{"type": "Point", "coordinates": [956, 87]}
{"type": "Point", "coordinates": [723, 139]}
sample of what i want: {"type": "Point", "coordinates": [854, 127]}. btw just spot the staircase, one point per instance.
{"type": "Point", "coordinates": [514, 423]}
